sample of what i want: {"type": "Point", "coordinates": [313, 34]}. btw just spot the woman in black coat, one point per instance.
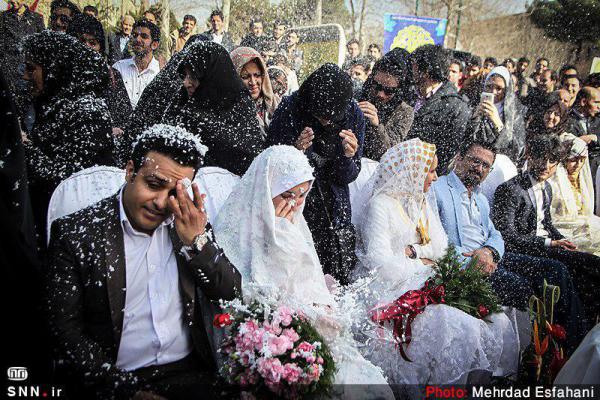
{"type": "Point", "coordinates": [323, 120]}
{"type": "Point", "coordinates": [73, 128]}
{"type": "Point", "coordinates": [214, 104]}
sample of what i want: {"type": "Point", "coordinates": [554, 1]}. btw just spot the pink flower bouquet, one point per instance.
{"type": "Point", "coordinates": [273, 349]}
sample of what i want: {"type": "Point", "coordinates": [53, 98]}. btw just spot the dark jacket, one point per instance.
{"type": "Point", "coordinates": [227, 41]}
{"type": "Point", "coordinates": [251, 40]}
{"type": "Point", "coordinates": [442, 120]}
{"type": "Point", "coordinates": [12, 30]}
{"type": "Point", "coordinates": [378, 139]}
{"type": "Point", "coordinates": [327, 91]}
{"type": "Point", "coordinates": [86, 293]}
{"type": "Point", "coordinates": [117, 100]}
{"type": "Point", "coordinates": [114, 52]}
{"type": "Point", "coordinates": [220, 112]}
{"type": "Point", "coordinates": [515, 215]}
{"type": "Point", "coordinates": [580, 125]}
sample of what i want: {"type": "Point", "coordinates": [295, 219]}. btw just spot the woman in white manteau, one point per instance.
{"type": "Point", "coordinates": [401, 236]}
{"type": "Point", "coordinates": [572, 206]}
{"type": "Point", "coordinates": [263, 232]}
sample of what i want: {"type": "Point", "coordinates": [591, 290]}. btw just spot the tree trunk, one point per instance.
{"type": "Point", "coordinates": [226, 9]}
{"type": "Point", "coordinates": [353, 17]}
{"type": "Point", "coordinates": [319, 12]}
{"type": "Point", "coordinates": [361, 21]}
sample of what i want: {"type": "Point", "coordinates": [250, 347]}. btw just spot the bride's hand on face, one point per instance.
{"type": "Point", "coordinates": [285, 209]}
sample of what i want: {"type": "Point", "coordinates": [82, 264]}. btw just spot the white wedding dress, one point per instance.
{"type": "Point", "coordinates": [279, 264]}
{"type": "Point", "coordinates": [447, 343]}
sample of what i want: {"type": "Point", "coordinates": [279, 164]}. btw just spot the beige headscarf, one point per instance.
{"type": "Point", "coordinates": [242, 56]}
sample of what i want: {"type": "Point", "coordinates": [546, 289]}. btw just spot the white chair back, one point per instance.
{"type": "Point", "coordinates": [217, 184]}
{"type": "Point", "coordinates": [82, 189]}
{"type": "Point", "coordinates": [91, 185]}
{"type": "Point", "coordinates": [367, 168]}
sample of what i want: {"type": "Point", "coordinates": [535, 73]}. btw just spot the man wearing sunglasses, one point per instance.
{"type": "Point", "coordinates": [384, 103]}
{"type": "Point", "coordinates": [61, 14]}
{"type": "Point", "coordinates": [521, 212]}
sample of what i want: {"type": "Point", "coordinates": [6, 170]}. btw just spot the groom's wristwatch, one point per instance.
{"type": "Point", "coordinates": [495, 254]}
{"type": "Point", "coordinates": [196, 247]}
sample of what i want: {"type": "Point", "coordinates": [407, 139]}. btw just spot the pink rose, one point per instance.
{"type": "Point", "coordinates": [270, 369]}
{"type": "Point", "coordinates": [291, 372]}
{"type": "Point", "coordinates": [291, 334]}
{"type": "Point", "coordinates": [278, 345]}
{"type": "Point", "coordinates": [314, 371]}
{"type": "Point", "coordinates": [285, 314]}
{"type": "Point", "coordinates": [273, 327]}
{"type": "Point", "coordinates": [293, 355]}
{"type": "Point", "coordinates": [305, 347]}
{"type": "Point", "coordinates": [320, 360]}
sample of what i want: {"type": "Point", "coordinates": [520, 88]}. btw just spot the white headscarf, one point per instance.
{"type": "Point", "coordinates": [401, 174]}
{"type": "Point", "coordinates": [564, 202]}
{"type": "Point", "coordinates": [276, 258]}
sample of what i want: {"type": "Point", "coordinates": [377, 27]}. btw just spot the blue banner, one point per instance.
{"type": "Point", "coordinates": [410, 32]}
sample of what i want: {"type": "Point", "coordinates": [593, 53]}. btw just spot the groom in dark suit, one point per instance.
{"type": "Point", "coordinates": [133, 279]}
{"type": "Point", "coordinates": [521, 213]}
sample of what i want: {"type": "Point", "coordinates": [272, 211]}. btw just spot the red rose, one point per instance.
{"type": "Point", "coordinates": [557, 362]}
{"type": "Point", "coordinates": [483, 311]}
{"type": "Point", "coordinates": [222, 320]}
{"type": "Point", "coordinates": [557, 332]}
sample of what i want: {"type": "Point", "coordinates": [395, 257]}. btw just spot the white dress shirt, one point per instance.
{"type": "Point", "coordinates": [136, 81]}
{"type": "Point", "coordinates": [536, 192]}
{"type": "Point", "coordinates": [473, 235]}
{"type": "Point", "coordinates": [123, 40]}
{"type": "Point", "coordinates": [154, 330]}
{"type": "Point", "coordinates": [218, 38]}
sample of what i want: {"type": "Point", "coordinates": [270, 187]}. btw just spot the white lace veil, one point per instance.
{"type": "Point", "coordinates": [401, 174]}
{"type": "Point", "coordinates": [563, 192]}
{"type": "Point", "coordinates": [276, 258]}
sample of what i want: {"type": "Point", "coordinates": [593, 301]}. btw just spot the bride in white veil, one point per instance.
{"type": "Point", "coordinates": [263, 232]}
{"type": "Point", "coordinates": [400, 237]}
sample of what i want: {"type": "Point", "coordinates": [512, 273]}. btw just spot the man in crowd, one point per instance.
{"type": "Point", "coordinates": [541, 65]}
{"type": "Point", "coordinates": [359, 69]}
{"type": "Point", "coordinates": [567, 69]}
{"type": "Point", "coordinates": [537, 95]}
{"type": "Point", "coordinates": [465, 215]}
{"type": "Point", "coordinates": [117, 43]}
{"type": "Point", "coordinates": [61, 14]}
{"type": "Point", "coordinates": [564, 96]}
{"type": "Point", "coordinates": [294, 55]}
{"type": "Point", "coordinates": [521, 212]}
{"type": "Point", "coordinates": [91, 11]}
{"type": "Point", "coordinates": [584, 122]}
{"type": "Point", "coordinates": [217, 32]}
{"type": "Point", "coordinates": [374, 52]}
{"type": "Point", "coordinates": [16, 23]}
{"type": "Point", "coordinates": [525, 83]}
{"type": "Point", "coordinates": [352, 53]}
{"type": "Point", "coordinates": [489, 63]}
{"type": "Point", "coordinates": [256, 36]}
{"type": "Point", "coordinates": [441, 114]}
{"type": "Point", "coordinates": [154, 246]}
{"type": "Point", "coordinates": [278, 34]}
{"type": "Point", "coordinates": [571, 84]}
{"type": "Point", "coordinates": [473, 65]}
{"type": "Point", "coordinates": [138, 71]}
{"type": "Point", "coordinates": [181, 36]}
{"type": "Point", "coordinates": [151, 16]}
{"type": "Point", "coordinates": [455, 73]}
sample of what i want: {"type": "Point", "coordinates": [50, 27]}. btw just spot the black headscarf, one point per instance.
{"type": "Point", "coordinates": [538, 127]}
{"type": "Point", "coordinates": [326, 93]}
{"type": "Point", "coordinates": [83, 23]}
{"type": "Point", "coordinates": [70, 68]}
{"type": "Point", "coordinates": [397, 64]}
{"type": "Point", "coordinates": [220, 86]}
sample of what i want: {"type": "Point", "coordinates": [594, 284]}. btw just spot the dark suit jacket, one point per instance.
{"type": "Point", "coordinates": [86, 292]}
{"type": "Point", "coordinates": [114, 49]}
{"type": "Point", "coordinates": [515, 216]}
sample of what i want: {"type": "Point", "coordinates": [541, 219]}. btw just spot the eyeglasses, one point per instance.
{"type": "Point", "coordinates": [479, 163]}
{"type": "Point", "coordinates": [385, 89]}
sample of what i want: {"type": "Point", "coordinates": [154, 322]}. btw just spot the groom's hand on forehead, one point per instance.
{"type": "Point", "coordinates": [190, 215]}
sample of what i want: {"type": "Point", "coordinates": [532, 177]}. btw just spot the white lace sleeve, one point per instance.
{"type": "Point", "coordinates": [382, 250]}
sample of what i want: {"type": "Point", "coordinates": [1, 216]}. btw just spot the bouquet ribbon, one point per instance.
{"type": "Point", "coordinates": [402, 312]}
